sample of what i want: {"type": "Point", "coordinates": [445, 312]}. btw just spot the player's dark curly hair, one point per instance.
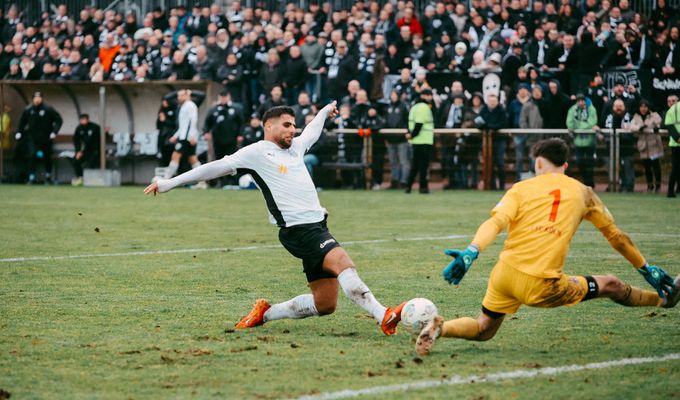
{"type": "Point", "coordinates": [276, 112]}
{"type": "Point", "coordinates": [554, 150]}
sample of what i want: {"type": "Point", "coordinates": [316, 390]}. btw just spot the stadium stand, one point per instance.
{"type": "Point", "coordinates": [600, 48]}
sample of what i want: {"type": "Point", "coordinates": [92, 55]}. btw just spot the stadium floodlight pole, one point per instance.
{"type": "Point", "coordinates": [102, 121]}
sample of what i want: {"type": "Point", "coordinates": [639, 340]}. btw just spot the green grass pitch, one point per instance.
{"type": "Point", "coordinates": [131, 326]}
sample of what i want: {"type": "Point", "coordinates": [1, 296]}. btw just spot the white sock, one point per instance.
{"type": "Point", "coordinates": [295, 308]}
{"type": "Point", "coordinates": [196, 165]}
{"type": "Point", "coordinates": [360, 294]}
{"type": "Point", "coordinates": [171, 170]}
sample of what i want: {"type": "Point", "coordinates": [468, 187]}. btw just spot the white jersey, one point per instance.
{"type": "Point", "coordinates": [281, 175]}
{"type": "Point", "coordinates": [187, 121]}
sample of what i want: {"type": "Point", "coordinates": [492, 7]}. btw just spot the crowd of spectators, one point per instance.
{"type": "Point", "coordinates": [251, 50]}
{"type": "Point", "coordinates": [546, 54]}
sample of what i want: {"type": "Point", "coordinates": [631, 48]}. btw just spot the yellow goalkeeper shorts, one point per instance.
{"type": "Point", "coordinates": [509, 288]}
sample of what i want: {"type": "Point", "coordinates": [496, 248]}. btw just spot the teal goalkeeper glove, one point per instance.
{"type": "Point", "coordinates": [659, 280]}
{"type": "Point", "coordinates": [462, 260]}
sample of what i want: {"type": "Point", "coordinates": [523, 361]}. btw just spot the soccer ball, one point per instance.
{"type": "Point", "coordinates": [417, 313]}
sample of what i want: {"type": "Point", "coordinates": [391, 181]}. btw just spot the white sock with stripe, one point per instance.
{"type": "Point", "coordinates": [298, 307]}
{"type": "Point", "coordinates": [357, 291]}
{"type": "Point", "coordinates": [171, 169]}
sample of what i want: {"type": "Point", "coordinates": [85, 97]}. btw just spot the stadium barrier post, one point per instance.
{"type": "Point", "coordinates": [617, 159]}
{"type": "Point", "coordinates": [211, 147]}
{"type": "Point", "coordinates": [102, 121]}
{"type": "Point", "coordinates": [487, 156]}
{"type": "Point", "coordinates": [368, 174]}
{"type": "Point", "coordinates": [611, 185]}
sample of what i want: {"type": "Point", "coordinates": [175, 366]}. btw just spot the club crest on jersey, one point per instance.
{"type": "Point", "coordinates": [283, 169]}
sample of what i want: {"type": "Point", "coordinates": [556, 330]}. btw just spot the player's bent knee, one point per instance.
{"type": "Point", "coordinates": [326, 308]}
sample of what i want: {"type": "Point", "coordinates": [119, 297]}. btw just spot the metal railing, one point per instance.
{"type": "Point", "coordinates": [612, 137]}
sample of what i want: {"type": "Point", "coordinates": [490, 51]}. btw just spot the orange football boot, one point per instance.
{"type": "Point", "coordinates": [256, 316]}
{"type": "Point", "coordinates": [391, 319]}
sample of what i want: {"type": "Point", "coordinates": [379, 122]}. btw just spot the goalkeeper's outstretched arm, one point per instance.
{"type": "Point", "coordinates": [489, 229]}
{"type": "Point", "coordinates": [623, 244]}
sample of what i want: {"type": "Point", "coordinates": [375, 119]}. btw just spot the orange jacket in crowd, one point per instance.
{"type": "Point", "coordinates": [106, 56]}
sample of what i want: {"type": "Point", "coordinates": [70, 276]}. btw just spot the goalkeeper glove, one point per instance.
{"type": "Point", "coordinates": [462, 260]}
{"type": "Point", "coordinates": [659, 280]}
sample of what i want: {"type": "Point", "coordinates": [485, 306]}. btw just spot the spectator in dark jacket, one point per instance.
{"type": "Point", "coordinates": [86, 141]}
{"type": "Point", "coordinates": [273, 72]}
{"type": "Point", "coordinates": [619, 118]}
{"type": "Point", "coordinates": [231, 76]}
{"type": "Point", "coordinates": [223, 124]}
{"type": "Point", "coordinates": [253, 132]}
{"type": "Point", "coordinates": [166, 123]}
{"type": "Point", "coordinates": [296, 74]}
{"type": "Point", "coordinates": [559, 104]}
{"type": "Point", "coordinates": [38, 126]}
{"type": "Point", "coordinates": [275, 99]}
{"type": "Point", "coordinates": [205, 69]}
{"type": "Point", "coordinates": [302, 107]}
{"type": "Point", "coordinates": [372, 123]}
{"type": "Point", "coordinates": [493, 117]}
{"type": "Point", "coordinates": [470, 144]}
{"type": "Point", "coordinates": [398, 148]}
{"type": "Point", "coordinates": [342, 69]}
{"type": "Point", "coordinates": [180, 69]}
{"type": "Point", "coordinates": [450, 116]}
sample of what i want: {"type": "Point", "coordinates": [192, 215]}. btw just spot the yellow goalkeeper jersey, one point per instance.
{"type": "Point", "coordinates": [544, 214]}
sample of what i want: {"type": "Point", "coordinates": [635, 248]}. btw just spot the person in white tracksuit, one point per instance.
{"type": "Point", "coordinates": [186, 136]}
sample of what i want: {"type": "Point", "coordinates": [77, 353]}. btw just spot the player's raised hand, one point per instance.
{"type": "Point", "coordinates": [462, 261]}
{"type": "Point", "coordinates": [153, 188]}
{"type": "Point", "coordinates": [332, 109]}
{"type": "Point", "coordinates": [659, 279]}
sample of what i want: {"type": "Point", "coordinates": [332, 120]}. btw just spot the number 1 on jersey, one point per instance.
{"type": "Point", "coordinates": [556, 204]}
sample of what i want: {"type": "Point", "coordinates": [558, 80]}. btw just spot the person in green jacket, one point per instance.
{"type": "Point", "coordinates": [583, 116]}
{"type": "Point", "coordinates": [421, 136]}
{"type": "Point", "coordinates": [672, 123]}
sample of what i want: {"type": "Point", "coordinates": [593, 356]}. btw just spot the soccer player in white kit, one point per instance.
{"type": "Point", "coordinates": [186, 136]}
{"type": "Point", "coordinates": [276, 164]}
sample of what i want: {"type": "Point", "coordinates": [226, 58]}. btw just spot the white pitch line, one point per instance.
{"type": "Point", "coordinates": [246, 248]}
{"type": "Point", "coordinates": [489, 378]}
{"type": "Point", "coordinates": [213, 249]}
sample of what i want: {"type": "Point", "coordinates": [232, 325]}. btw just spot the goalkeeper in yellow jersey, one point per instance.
{"type": "Point", "coordinates": [542, 215]}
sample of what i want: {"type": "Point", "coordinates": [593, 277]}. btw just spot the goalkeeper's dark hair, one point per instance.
{"type": "Point", "coordinates": [276, 112]}
{"type": "Point", "coordinates": [554, 150]}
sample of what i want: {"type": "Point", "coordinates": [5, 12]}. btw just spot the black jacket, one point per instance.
{"type": "Point", "coordinates": [231, 76]}
{"type": "Point", "coordinates": [37, 123]}
{"type": "Point", "coordinates": [532, 52]}
{"type": "Point", "coordinates": [556, 53]}
{"type": "Point", "coordinates": [493, 119]}
{"type": "Point", "coordinates": [86, 138]}
{"type": "Point", "coordinates": [296, 73]}
{"type": "Point", "coordinates": [347, 70]}
{"type": "Point", "coordinates": [252, 135]}
{"type": "Point", "coordinates": [225, 123]}
{"type": "Point", "coordinates": [397, 117]}
{"type": "Point", "coordinates": [271, 76]}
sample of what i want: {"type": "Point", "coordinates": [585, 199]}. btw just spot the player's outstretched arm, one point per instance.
{"type": "Point", "coordinates": [655, 276]}
{"type": "Point", "coordinates": [463, 259]}
{"type": "Point", "coordinates": [205, 172]}
{"type": "Point", "coordinates": [313, 130]}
